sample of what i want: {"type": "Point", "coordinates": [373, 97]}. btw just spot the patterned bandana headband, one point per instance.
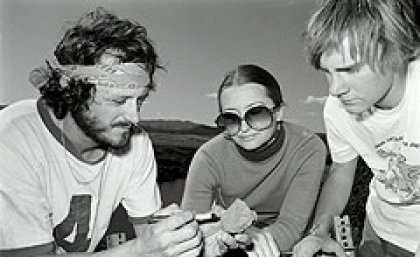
{"type": "Point", "coordinates": [119, 76]}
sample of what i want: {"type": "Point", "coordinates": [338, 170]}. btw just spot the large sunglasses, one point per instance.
{"type": "Point", "coordinates": [258, 118]}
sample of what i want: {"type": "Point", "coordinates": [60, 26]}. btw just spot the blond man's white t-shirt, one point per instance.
{"type": "Point", "coordinates": [389, 142]}
{"type": "Point", "coordinates": [47, 194]}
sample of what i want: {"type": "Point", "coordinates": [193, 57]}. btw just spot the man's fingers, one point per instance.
{"type": "Point", "coordinates": [181, 234]}
{"type": "Point", "coordinates": [192, 252]}
{"type": "Point", "coordinates": [185, 247]}
{"type": "Point", "coordinates": [168, 210]}
{"type": "Point", "coordinates": [174, 221]}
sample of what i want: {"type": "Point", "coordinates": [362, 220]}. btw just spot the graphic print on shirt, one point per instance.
{"type": "Point", "coordinates": [399, 177]}
{"type": "Point", "coordinates": [75, 226]}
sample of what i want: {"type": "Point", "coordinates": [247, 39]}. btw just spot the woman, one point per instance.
{"type": "Point", "coordinates": [272, 165]}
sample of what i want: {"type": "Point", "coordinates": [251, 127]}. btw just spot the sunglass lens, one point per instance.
{"type": "Point", "coordinates": [259, 118]}
{"type": "Point", "coordinates": [229, 121]}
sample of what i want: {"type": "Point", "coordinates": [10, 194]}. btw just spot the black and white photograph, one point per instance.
{"type": "Point", "coordinates": [210, 128]}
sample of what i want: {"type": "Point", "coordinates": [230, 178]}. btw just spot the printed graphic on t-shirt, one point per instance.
{"type": "Point", "coordinates": [72, 233]}
{"type": "Point", "coordinates": [400, 180]}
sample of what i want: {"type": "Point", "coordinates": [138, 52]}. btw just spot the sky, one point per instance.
{"type": "Point", "coordinates": [198, 41]}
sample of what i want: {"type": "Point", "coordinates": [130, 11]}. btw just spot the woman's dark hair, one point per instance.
{"type": "Point", "coordinates": [249, 73]}
{"type": "Point", "coordinates": [94, 34]}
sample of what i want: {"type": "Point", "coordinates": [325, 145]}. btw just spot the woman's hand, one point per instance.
{"type": "Point", "coordinates": [216, 243]}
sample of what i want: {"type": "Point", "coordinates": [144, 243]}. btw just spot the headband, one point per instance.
{"type": "Point", "coordinates": [122, 76]}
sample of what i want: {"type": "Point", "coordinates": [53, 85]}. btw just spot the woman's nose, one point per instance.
{"type": "Point", "coordinates": [244, 126]}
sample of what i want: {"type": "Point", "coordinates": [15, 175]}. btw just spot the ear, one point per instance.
{"type": "Point", "coordinates": [278, 113]}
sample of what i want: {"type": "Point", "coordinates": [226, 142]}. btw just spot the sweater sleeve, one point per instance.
{"type": "Point", "coordinates": [201, 181]}
{"type": "Point", "coordinates": [301, 196]}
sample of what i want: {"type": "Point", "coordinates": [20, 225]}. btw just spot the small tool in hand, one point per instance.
{"type": "Point", "coordinates": [201, 218]}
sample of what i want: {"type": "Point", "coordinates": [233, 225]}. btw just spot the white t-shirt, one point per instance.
{"type": "Point", "coordinates": [389, 144]}
{"type": "Point", "coordinates": [47, 194]}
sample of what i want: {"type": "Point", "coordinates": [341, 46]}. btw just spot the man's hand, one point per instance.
{"type": "Point", "coordinates": [177, 235]}
{"type": "Point", "coordinates": [264, 245]}
{"type": "Point", "coordinates": [312, 244]}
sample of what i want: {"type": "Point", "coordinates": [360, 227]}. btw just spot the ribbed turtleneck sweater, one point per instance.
{"type": "Point", "coordinates": [280, 180]}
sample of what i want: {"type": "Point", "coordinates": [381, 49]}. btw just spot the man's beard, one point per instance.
{"type": "Point", "coordinates": [91, 127]}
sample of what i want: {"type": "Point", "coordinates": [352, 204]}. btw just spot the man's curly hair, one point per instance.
{"type": "Point", "coordinates": [92, 35]}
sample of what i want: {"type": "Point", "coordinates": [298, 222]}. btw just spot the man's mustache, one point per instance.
{"type": "Point", "coordinates": [122, 125]}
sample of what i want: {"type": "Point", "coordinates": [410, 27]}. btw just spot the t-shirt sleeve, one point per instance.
{"type": "Point", "coordinates": [336, 124]}
{"type": "Point", "coordinates": [25, 218]}
{"type": "Point", "coordinates": [142, 196]}
{"type": "Point", "coordinates": [200, 183]}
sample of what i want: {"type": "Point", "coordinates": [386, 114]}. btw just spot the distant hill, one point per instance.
{"type": "Point", "coordinates": [178, 126]}
{"type": "Point", "coordinates": [177, 133]}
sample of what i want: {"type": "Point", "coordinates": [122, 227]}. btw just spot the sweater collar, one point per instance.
{"type": "Point", "coordinates": [267, 149]}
